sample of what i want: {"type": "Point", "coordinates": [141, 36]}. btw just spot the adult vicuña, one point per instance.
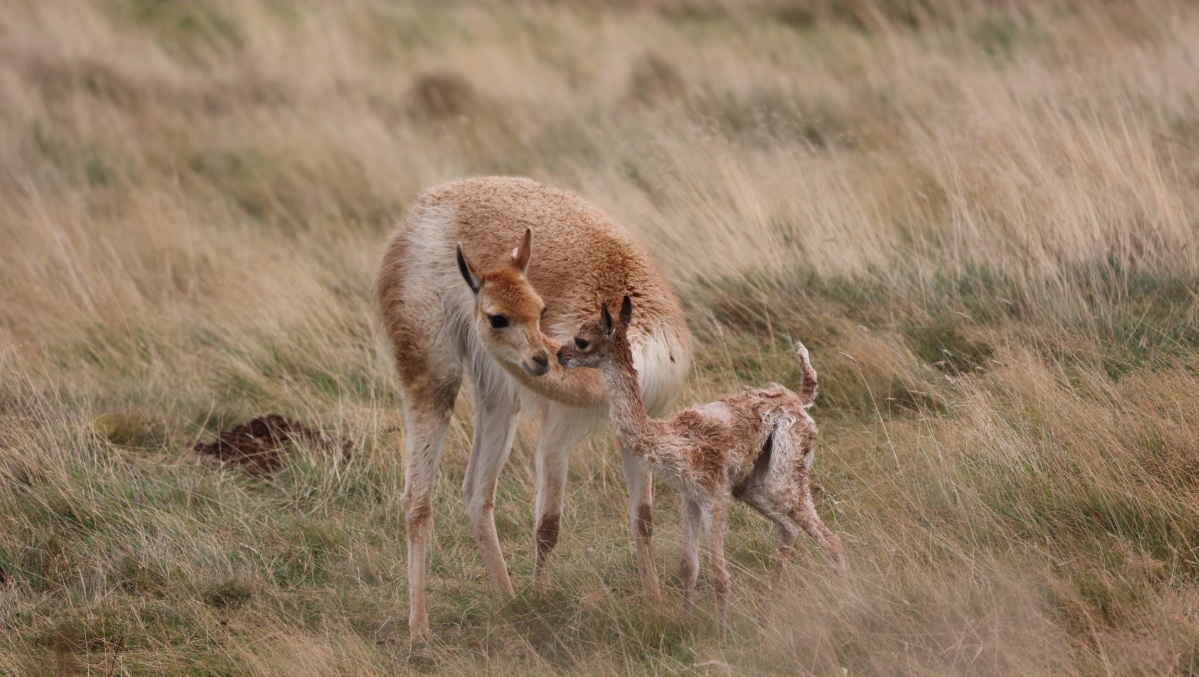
{"type": "Point", "coordinates": [755, 446]}
{"type": "Point", "coordinates": [500, 328]}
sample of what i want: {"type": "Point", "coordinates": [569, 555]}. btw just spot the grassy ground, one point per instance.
{"type": "Point", "coordinates": [980, 217]}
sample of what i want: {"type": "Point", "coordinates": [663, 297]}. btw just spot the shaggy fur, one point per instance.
{"type": "Point", "coordinates": [755, 446]}
{"type": "Point", "coordinates": [461, 264]}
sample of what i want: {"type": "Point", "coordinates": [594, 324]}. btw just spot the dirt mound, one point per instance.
{"type": "Point", "coordinates": [260, 447]}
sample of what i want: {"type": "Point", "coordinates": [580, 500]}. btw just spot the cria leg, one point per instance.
{"type": "Point", "coordinates": [805, 516]}
{"type": "Point", "coordinates": [693, 516]}
{"type": "Point", "coordinates": [716, 563]}
{"type": "Point", "coordinates": [787, 535]}
{"type": "Point", "coordinates": [641, 519]}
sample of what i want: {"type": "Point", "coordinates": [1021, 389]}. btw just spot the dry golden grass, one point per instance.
{"type": "Point", "coordinates": [980, 216]}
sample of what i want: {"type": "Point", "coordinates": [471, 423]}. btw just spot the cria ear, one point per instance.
{"type": "Point", "coordinates": [626, 312]}
{"type": "Point", "coordinates": [522, 254]}
{"type": "Point", "coordinates": [468, 273]}
{"type": "Point", "coordinates": [606, 320]}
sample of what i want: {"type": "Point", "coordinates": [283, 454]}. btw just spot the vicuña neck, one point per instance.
{"type": "Point", "coordinates": [633, 425]}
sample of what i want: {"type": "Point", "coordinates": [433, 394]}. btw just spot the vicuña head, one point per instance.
{"type": "Point", "coordinates": [594, 341]}
{"type": "Point", "coordinates": [508, 311]}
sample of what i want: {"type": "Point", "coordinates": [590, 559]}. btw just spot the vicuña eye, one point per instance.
{"type": "Point", "coordinates": [582, 343]}
{"type": "Point", "coordinates": [497, 321]}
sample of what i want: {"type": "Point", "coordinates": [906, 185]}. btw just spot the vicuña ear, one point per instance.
{"type": "Point", "coordinates": [468, 273]}
{"type": "Point", "coordinates": [626, 312]}
{"type": "Point", "coordinates": [606, 319]}
{"type": "Point", "coordinates": [522, 254]}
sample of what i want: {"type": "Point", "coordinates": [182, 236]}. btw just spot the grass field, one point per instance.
{"type": "Point", "coordinates": [982, 217]}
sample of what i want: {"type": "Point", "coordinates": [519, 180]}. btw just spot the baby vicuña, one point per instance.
{"type": "Point", "coordinates": [755, 446]}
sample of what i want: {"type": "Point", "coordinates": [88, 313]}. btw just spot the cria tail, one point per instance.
{"type": "Point", "coordinates": [807, 392]}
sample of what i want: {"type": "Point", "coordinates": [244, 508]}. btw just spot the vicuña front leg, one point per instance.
{"type": "Point", "coordinates": [641, 519]}
{"type": "Point", "coordinates": [495, 428]}
{"type": "Point", "coordinates": [425, 437]}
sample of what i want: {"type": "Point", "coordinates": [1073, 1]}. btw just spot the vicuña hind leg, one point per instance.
{"type": "Point", "coordinates": [562, 427]}
{"type": "Point", "coordinates": [806, 517]}
{"type": "Point", "coordinates": [788, 532]}
{"type": "Point", "coordinates": [495, 428]}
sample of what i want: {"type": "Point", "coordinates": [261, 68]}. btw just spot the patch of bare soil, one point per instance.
{"type": "Point", "coordinates": [260, 447]}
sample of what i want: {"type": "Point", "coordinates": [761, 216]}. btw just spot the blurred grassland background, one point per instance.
{"type": "Point", "coordinates": [981, 216]}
